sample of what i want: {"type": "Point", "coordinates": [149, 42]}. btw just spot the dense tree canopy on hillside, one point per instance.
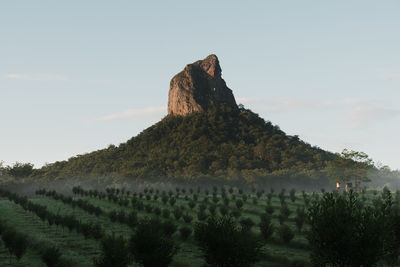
{"type": "Point", "coordinates": [219, 143]}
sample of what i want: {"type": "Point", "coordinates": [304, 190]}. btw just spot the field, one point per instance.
{"type": "Point", "coordinates": [113, 212]}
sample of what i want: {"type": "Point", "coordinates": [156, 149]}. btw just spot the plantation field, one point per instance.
{"type": "Point", "coordinates": [117, 211]}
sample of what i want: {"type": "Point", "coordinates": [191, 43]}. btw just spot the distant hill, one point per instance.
{"type": "Point", "coordinates": [224, 142]}
{"type": "Point", "coordinates": [204, 135]}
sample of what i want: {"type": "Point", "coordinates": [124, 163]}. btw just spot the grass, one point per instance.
{"type": "Point", "coordinates": [79, 251]}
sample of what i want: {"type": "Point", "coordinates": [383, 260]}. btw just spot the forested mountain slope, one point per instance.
{"type": "Point", "coordinates": [224, 142]}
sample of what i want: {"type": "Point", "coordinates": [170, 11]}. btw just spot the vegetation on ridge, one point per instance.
{"type": "Point", "coordinates": [217, 143]}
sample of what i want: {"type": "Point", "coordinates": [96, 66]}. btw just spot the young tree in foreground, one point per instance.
{"type": "Point", "coordinates": [285, 233]}
{"type": "Point", "coordinates": [114, 252]}
{"type": "Point", "coordinates": [342, 234]}
{"type": "Point", "coordinates": [51, 256]}
{"type": "Point", "coordinates": [150, 246]}
{"type": "Point", "coordinates": [224, 243]}
{"type": "Point", "coordinates": [266, 227]}
{"type": "Point", "coordinates": [185, 232]}
{"type": "Point", "coordinates": [16, 242]}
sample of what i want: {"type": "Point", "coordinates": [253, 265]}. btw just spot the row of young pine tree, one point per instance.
{"type": "Point", "coordinates": [348, 229]}
{"type": "Point", "coordinates": [183, 212]}
{"type": "Point", "coordinates": [344, 231]}
{"type": "Point", "coordinates": [17, 244]}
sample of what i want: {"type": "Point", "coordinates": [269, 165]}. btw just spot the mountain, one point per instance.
{"type": "Point", "coordinates": [198, 87]}
{"type": "Point", "coordinates": [205, 134]}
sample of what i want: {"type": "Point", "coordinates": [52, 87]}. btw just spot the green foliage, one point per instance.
{"type": "Point", "coordinates": [284, 213]}
{"type": "Point", "coordinates": [187, 218]}
{"type": "Point", "coordinates": [80, 220]}
{"type": "Point", "coordinates": [51, 256]}
{"type": "Point", "coordinates": [217, 143]}
{"type": "Point", "coordinates": [246, 223]}
{"type": "Point", "coordinates": [269, 209]}
{"type": "Point", "coordinates": [150, 246]}
{"type": "Point", "coordinates": [166, 213]}
{"type": "Point", "coordinates": [212, 209]}
{"type": "Point", "coordinates": [192, 204]}
{"type": "Point", "coordinates": [224, 243]}
{"type": "Point", "coordinates": [132, 219]}
{"type": "Point", "coordinates": [292, 195]}
{"type": "Point", "coordinates": [178, 213]}
{"type": "Point", "coordinates": [169, 228]}
{"type": "Point", "coordinates": [16, 242]}
{"type": "Point", "coordinates": [342, 234]}
{"type": "Point", "coordinates": [285, 233]}
{"type": "Point", "coordinates": [300, 218]}
{"type": "Point", "coordinates": [185, 231]}
{"type": "Point", "coordinates": [239, 203]}
{"type": "Point", "coordinates": [236, 213]}
{"type": "Point", "coordinates": [202, 215]}
{"type": "Point", "coordinates": [20, 170]}
{"type": "Point", "coordinates": [266, 226]}
{"type": "Point", "coordinates": [350, 165]}
{"type": "Point", "coordinates": [223, 210]}
{"type": "Point", "coordinates": [114, 252]}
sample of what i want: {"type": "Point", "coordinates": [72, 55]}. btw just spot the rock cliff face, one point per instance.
{"type": "Point", "coordinates": [198, 87]}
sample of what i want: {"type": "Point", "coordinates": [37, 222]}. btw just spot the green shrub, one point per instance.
{"type": "Point", "coordinates": [292, 195]}
{"type": "Point", "coordinates": [224, 243]}
{"type": "Point", "coordinates": [172, 201]}
{"type": "Point", "coordinates": [16, 243]}
{"type": "Point", "coordinates": [192, 204]}
{"type": "Point", "coordinates": [178, 213]}
{"type": "Point", "coordinates": [169, 228]}
{"type": "Point", "coordinates": [299, 222]}
{"type": "Point", "coordinates": [114, 252]}
{"type": "Point", "coordinates": [236, 213]}
{"type": "Point", "coordinates": [246, 223]}
{"type": "Point", "coordinates": [166, 213]}
{"type": "Point", "coordinates": [150, 246]}
{"type": "Point", "coordinates": [113, 215]}
{"type": "Point", "coordinates": [202, 215]}
{"type": "Point", "coordinates": [266, 227]}
{"type": "Point", "coordinates": [185, 232]}
{"type": "Point", "coordinates": [51, 256]}
{"type": "Point", "coordinates": [132, 219]}
{"type": "Point", "coordinates": [239, 203]}
{"type": "Point", "coordinates": [212, 209]}
{"type": "Point", "coordinates": [223, 210]}
{"type": "Point", "coordinates": [285, 211]}
{"type": "Point", "coordinates": [269, 209]}
{"type": "Point", "coordinates": [157, 211]}
{"type": "Point", "coordinates": [285, 233]}
{"type": "Point", "coordinates": [187, 218]}
{"type": "Point", "coordinates": [342, 234]}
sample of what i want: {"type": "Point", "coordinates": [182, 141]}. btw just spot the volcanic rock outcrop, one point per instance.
{"type": "Point", "coordinates": [198, 87]}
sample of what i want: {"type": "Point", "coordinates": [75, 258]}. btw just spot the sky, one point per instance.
{"type": "Point", "coordinates": [77, 76]}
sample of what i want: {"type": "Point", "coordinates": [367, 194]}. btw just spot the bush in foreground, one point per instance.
{"type": "Point", "coordinates": [150, 246]}
{"type": "Point", "coordinates": [342, 234]}
{"type": "Point", "coordinates": [185, 232]}
{"type": "Point", "coordinates": [51, 256]}
{"type": "Point", "coordinates": [114, 252]}
{"type": "Point", "coordinates": [285, 233]}
{"type": "Point", "coordinates": [16, 242]}
{"type": "Point", "coordinates": [266, 227]}
{"type": "Point", "coordinates": [224, 243]}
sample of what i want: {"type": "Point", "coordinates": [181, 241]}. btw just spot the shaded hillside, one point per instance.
{"type": "Point", "coordinates": [224, 142]}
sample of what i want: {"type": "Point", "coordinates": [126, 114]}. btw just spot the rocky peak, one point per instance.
{"type": "Point", "coordinates": [211, 66]}
{"type": "Point", "coordinates": [198, 87]}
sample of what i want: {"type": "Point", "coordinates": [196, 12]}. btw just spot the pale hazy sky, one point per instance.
{"type": "Point", "coordinates": [76, 76]}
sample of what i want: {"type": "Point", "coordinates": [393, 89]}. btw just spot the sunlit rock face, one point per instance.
{"type": "Point", "coordinates": [199, 87]}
